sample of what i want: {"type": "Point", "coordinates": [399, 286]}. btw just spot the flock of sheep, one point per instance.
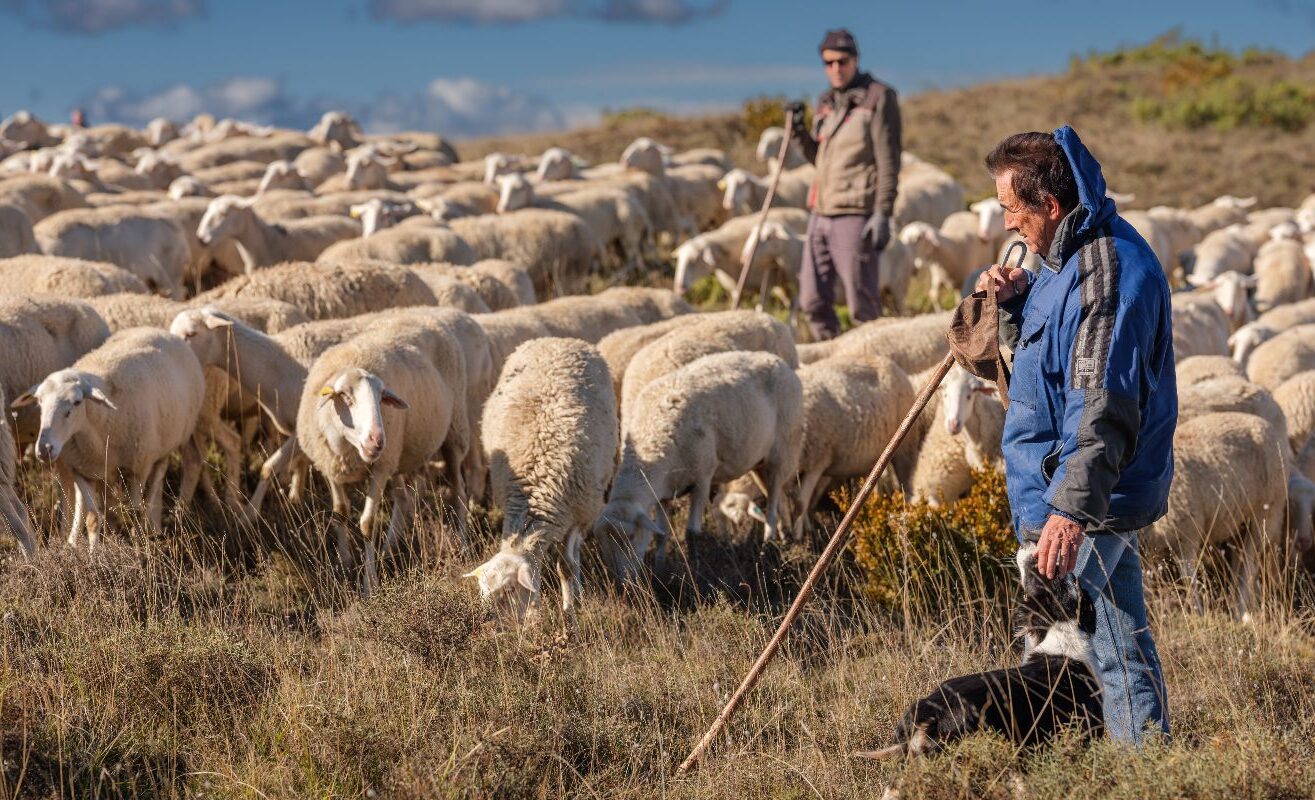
{"type": "Point", "coordinates": [372, 310]}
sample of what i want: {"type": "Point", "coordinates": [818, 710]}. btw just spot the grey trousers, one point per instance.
{"type": "Point", "coordinates": [834, 248]}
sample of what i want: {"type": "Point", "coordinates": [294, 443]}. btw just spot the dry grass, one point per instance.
{"type": "Point", "coordinates": [169, 668]}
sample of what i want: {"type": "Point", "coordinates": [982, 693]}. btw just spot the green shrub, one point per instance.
{"type": "Point", "coordinates": [911, 552]}
{"type": "Point", "coordinates": [1231, 103]}
{"type": "Point", "coordinates": [760, 113]}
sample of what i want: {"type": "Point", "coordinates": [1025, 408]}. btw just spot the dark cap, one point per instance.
{"type": "Point", "coordinates": [839, 39]}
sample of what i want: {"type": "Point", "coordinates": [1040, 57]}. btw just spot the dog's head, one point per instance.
{"type": "Point", "coordinates": [1048, 603]}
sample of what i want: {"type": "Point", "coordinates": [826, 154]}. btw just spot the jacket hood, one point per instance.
{"type": "Point", "coordinates": [1091, 182]}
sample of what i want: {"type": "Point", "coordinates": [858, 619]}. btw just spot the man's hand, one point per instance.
{"type": "Point", "coordinates": [796, 111]}
{"type": "Point", "coordinates": [1057, 552]}
{"type": "Point", "coordinates": [1010, 282]}
{"type": "Point", "coordinates": [876, 232]}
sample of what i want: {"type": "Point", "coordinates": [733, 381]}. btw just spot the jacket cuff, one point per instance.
{"type": "Point", "coordinates": [1055, 512]}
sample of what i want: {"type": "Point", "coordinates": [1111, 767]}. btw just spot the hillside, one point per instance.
{"type": "Point", "coordinates": [1174, 121]}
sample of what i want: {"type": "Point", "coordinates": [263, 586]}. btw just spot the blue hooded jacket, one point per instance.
{"type": "Point", "coordinates": [1093, 396]}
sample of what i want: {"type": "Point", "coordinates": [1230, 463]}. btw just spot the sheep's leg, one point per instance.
{"type": "Point", "coordinates": [85, 508]}
{"type": "Point", "coordinates": [342, 506]}
{"type": "Point", "coordinates": [229, 443]}
{"type": "Point", "coordinates": [403, 509]}
{"type": "Point", "coordinates": [155, 495]}
{"type": "Point", "coordinates": [807, 487]}
{"type": "Point", "coordinates": [300, 468]}
{"type": "Point", "coordinates": [660, 546]}
{"type": "Point", "coordinates": [452, 471]}
{"type": "Point", "coordinates": [369, 521]}
{"type": "Point", "coordinates": [568, 572]}
{"type": "Point", "coordinates": [70, 503]}
{"type": "Point", "coordinates": [776, 481]}
{"type": "Point", "coordinates": [1246, 579]}
{"type": "Point", "coordinates": [193, 463]}
{"type": "Point", "coordinates": [15, 514]}
{"type": "Point", "coordinates": [276, 465]}
{"type": "Point", "coordinates": [1189, 561]}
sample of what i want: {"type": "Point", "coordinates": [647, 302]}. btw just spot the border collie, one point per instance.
{"type": "Point", "coordinates": [1055, 686]}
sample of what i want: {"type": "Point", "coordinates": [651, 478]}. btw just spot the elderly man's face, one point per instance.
{"type": "Point", "coordinates": [840, 67]}
{"type": "Point", "coordinates": [1036, 226]}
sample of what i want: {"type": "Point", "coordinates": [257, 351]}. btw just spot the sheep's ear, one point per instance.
{"type": "Point", "coordinates": [25, 399]}
{"type": "Point", "coordinates": [721, 184]}
{"type": "Point", "coordinates": [356, 211]}
{"type": "Point", "coordinates": [213, 321]}
{"type": "Point", "coordinates": [99, 396]}
{"type": "Point", "coordinates": [390, 398]}
{"type": "Point", "coordinates": [326, 393]}
{"type": "Point", "coordinates": [528, 578]}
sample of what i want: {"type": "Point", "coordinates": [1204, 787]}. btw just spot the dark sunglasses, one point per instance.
{"type": "Point", "coordinates": [842, 61]}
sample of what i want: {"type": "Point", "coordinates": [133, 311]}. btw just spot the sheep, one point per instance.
{"type": "Point", "coordinates": [452, 200]}
{"type": "Point", "coordinates": [1296, 397]}
{"type": "Point", "coordinates": [1247, 338]}
{"type": "Point", "coordinates": [550, 436]}
{"type": "Point", "coordinates": [376, 214]}
{"type": "Point", "coordinates": [339, 128]}
{"type": "Point", "coordinates": [11, 505]}
{"type": "Point", "coordinates": [769, 148]}
{"type": "Point", "coordinates": [261, 150]}
{"type": "Point", "coordinates": [616, 218]}
{"type": "Point", "coordinates": [1157, 236]}
{"type": "Point", "coordinates": [706, 423]}
{"type": "Point", "coordinates": [619, 347]}
{"type": "Point", "coordinates": [160, 131]}
{"type": "Point", "coordinates": [558, 249]}
{"type": "Point", "coordinates": [39, 196]}
{"type": "Point", "coordinates": [587, 317]}
{"type": "Point", "coordinates": [697, 196]}
{"type": "Point", "coordinates": [926, 194]}
{"type": "Point", "coordinates": [1230, 478]}
{"type": "Point", "coordinates": [1285, 355]}
{"type": "Point", "coordinates": [1283, 274]}
{"type": "Point", "coordinates": [153, 248]}
{"type": "Point", "coordinates": [282, 175]}
{"type": "Point", "coordinates": [159, 171]}
{"type": "Point", "coordinates": [143, 390]}
{"type": "Point", "coordinates": [743, 192]}
{"type": "Point", "coordinates": [990, 222]}
{"type": "Point", "coordinates": [499, 285]}
{"type": "Point", "coordinates": [1231, 393]}
{"type": "Point", "coordinates": [648, 304]}
{"type": "Point", "coordinates": [851, 411]}
{"type": "Point", "coordinates": [16, 237]}
{"type": "Point", "coordinates": [374, 409]}
{"type": "Point", "coordinates": [326, 291]}
{"type": "Point", "coordinates": [718, 252]}
{"type": "Point", "coordinates": [187, 186]}
{"type": "Point", "coordinates": [69, 277]}
{"type": "Point", "coordinates": [404, 245]}
{"type": "Point", "coordinates": [964, 435]}
{"type": "Point", "coordinates": [507, 330]}
{"type": "Point", "coordinates": [1200, 327]}
{"type": "Point", "coordinates": [27, 129]}
{"type": "Point", "coordinates": [497, 164]}
{"type": "Point", "coordinates": [914, 343]}
{"type": "Point", "coordinates": [557, 164]}
{"type": "Point", "coordinates": [1220, 213]}
{"type": "Point", "coordinates": [952, 252]}
{"type": "Point", "coordinates": [1196, 369]}
{"type": "Point", "coordinates": [1224, 250]}
{"type": "Point", "coordinates": [447, 289]}
{"type": "Point", "coordinates": [645, 155]}
{"type": "Point", "coordinates": [261, 243]}
{"type": "Point", "coordinates": [367, 169]}
{"type": "Point", "coordinates": [706, 334]}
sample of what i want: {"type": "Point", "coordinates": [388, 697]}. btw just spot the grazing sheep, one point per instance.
{"type": "Point", "coordinates": [926, 194]}
{"type": "Point", "coordinates": [1220, 213]}
{"type": "Point", "coordinates": [557, 164]}
{"type": "Point", "coordinates": [648, 304]}
{"type": "Point", "coordinates": [39, 196]}
{"type": "Point", "coordinates": [282, 175]}
{"type": "Point", "coordinates": [246, 148]}
{"type": "Point", "coordinates": [851, 411]}
{"type": "Point", "coordinates": [1230, 481]}
{"type": "Point", "coordinates": [337, 127]}
{"type": "Point", "coordinates": [769, 148]}
{"type": "Point", "coordinates": [1224, 250]}
{"type": "Point", "coordinates": [743, 192]}
{"type": "Point", "coordinates": [187, 186]}
{"type": "Point", "coordinates": [1296, 397]}
{"type": "Point", "coordinates": [1196, 369]}
{"type": "Point", "coordinates": [707, 423]}
{"type": "Point", "coordinates": [451, 200]}
{"type": "Point", "coordinates": [262, 243]}
{"type": "Point", "coordinates": [374, 410]}
{"type": "Point", "coordinates": [1231, 393]}
{"type": "Point", "coordinates": [376, 214]}
{"type": "Point", "coordinates": [115, 417]}
{"type": "Point", "coordinates": [587, 317]}
{"type": "Point", "coordinates": [645, 155]}
{"type": "Point", "coordinates": [12, 509]}
{"type": "Point", "coordinates": [616, 218]}
{"type": "Point", "coordinates": [964, 435]}
{"type": "Point", "coordinates": [551, 437]}
{"type": "Point", "coordinates": [695, 190]}
{"type": "Point", "coordinates": [16, 237]}
{"type": "Point", "coordinates": [151, 247]}
{"type": "Point", "coordinates": [1200, 327]}
{"type": "Point", "coordinates": [915, 343]}
{"type": "Point", "coordinates": [990, 222]}
{"type": "Point", "coordinates": [718, 252]}
{"type": "Point", "coordinates": [404, 245]}
{"type": "Point", "coordinates": [1283, 274]}
{"type": "Point", "coordinates": [1230, 292]}
{"type": "Point", "coordinates": [1285, 355]}
{"type": "Point", "coordinates": [953, 252]}
{"type": "Point", "coordinates": [782, 249]}
{"type": "Point", "coordinates": [507, 330]}
{"type": "Point", "coordinates": [67, 277]}
{"type": "Point", "coordinates": [558, 249]}
{"type": "Point", "coordinates": [27, 129]}
{"type": "Point", "coordinates": [368, 169]}
{"type": "Point", "coordinates": [1247, 338]}
{"type": "Point", "coordinates": [328, 291]}
{"type": "Point", "coordinates": [706, 334]}
{"type": "Point", "coordinates": [619, 347]}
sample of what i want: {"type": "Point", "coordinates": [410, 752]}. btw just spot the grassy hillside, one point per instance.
{"type": "Point", "coordinates": [1173, 121]}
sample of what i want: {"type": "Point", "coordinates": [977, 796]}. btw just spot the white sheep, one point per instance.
{"type": "Point", "coordinates": [1224, 250]}
{"type": "Point", "coordinates": [152, 247]}
{"type": "Point", "coordinates": [557, 164]}
{"type": "Point", "coordinates": [115, 417]}
{"type": "Point", "coordinates": [282, 174]}
{"type": "Point", "coordinates": [16, 237]}
{"type": "Point", "coordinates": [915, 343]}
{"type": "Point", "coordinates": [965, 435]}
{"type": "Point", "coordinates": [990, 222]}
{"type": "Point", "coordinates": [645, 155]}
{"type": "Point", "coordinates": [262, 243]}
{"type": "Point", "coordinates": [12, 509]}
{"type": "Point", "coordinates": [769, 148]}
{"type": "Point", "coordinates": [926, 194]}
{"type": "Point", "coordinates": [327, 291]}
{"type": "Point", "coordinates": [952, 252]}
{"type": "Point", "coordinates": [1200, 326]}
{"type": "Point", "coordinates": [718, 252]}
{"type": "Point", "coordinates": [1230, 481]}
{"type": "Point", "coordinates": [705, 424]}
{"type": "Point", "coordinates": [337, 127]}
{"type": "Point", "coordinates": [187, 186]}
{"type": "Point", "coordinates": [496, 164]}
{"type": "Point", "coordinates": [558, 249]}
{"type": "Point", "coordinates": [1247, 338]}
{"type": "Point", "coordinates": [743, 192]}
{"type": "Point", "coordinates": [550, 436]}
{"type": "Point", "coordinates": [39, 196]}
{"type": "Point", "coordinates": [1221, 212]}
{"type": "Point", "coordinates": [1282, 273]}
{"type": "Point", "coordinates": [1231, 393]}
{"type": "Point", "coordinates": [1285, 355]}
{"type": "Point", "coordinates": [1196, 369]}
{"type": "Point", "coordinates": [619, 347]}
{"type": "Point", "coordinates": [403, 244]}
{"type": "Point", "coordinates": [67, 277]}
{"type": "Point", "coordinates": [376, 214]}
{"type": "Point", "coordinates": [374, 410]}
{"type": "Point", "coordinates": [694, 188]}
{"type": "Point", "coordinates": [615, 216]}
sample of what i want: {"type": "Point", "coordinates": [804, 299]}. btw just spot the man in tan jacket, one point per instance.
{"type": "Point", "coordinates": [855, 143]}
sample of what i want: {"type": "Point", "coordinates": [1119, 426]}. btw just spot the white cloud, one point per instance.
{"type": "Point", "coordinates": [513, 11]}
{"type": "Point", "coordinates": [98, 16]}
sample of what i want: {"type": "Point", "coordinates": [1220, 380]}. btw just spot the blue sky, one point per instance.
{"type": "Point", "coordinates": [468, 67]}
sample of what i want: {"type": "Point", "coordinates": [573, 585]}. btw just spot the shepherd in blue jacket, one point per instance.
{"type": "Point", "coordinates": [1088, 437]}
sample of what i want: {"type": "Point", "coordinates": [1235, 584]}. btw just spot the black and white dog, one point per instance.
{"type": "Point", "coordinates": [1055, 686]}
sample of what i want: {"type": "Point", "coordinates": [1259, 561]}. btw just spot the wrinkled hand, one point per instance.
{"type": "Point", "coordinates": [1057, 552]}
{"type": "Point", "coordinates": [1010, 282]}
{"type": "Point", "coordinates": [876, 232]}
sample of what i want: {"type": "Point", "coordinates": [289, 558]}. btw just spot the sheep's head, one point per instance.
{"type": "Point", "coordinates": [556, 164]}
{"type": "Point", "coordinates": [351, 407]}
{"type": "Point", "coordinates": [959, 392]}
{"type": "Point", "coordinates": [160, 131]}
{"type": "Point", "coordinates": [281, 175]}
{"type": "Point", "coordinates": [223, 218]}
{"type": "Point", "coordinates": [366, 169]}
{"type": "Point", "coordinates": [440, 208]}
{"type": "Point", "coordinates": [1284, 231]}
{"type": "Point", "coordinates": [63, 398]}
{"type": "Point", "coordinates": [990, 219]}
{"type": "Point", "coordinates": [206, 331]}
{"type": "Point", "coordinates": [646, 155]}
{"type": "Point", "coordinates": [187, 186]}
{"type": "Point", "coordinates": [920, 237]}
{"type": "Point", "coordinates": [1229, 291]}
{"type": "Point", "coordinates": [514, 192]}
{"type": "Point", "coordinates": [336, 127]}
{"type": "Point", "coordinates": [736, 187]}
{"type": "Point", "coordinates": [769, 143]}
{"type": "Point", "coordinates": [695, 258]}
{"type": "Point", "coordinates": [1306, 220]}
{"type": "Point", "coordinates": [496, 164]}
{"type": "Point", "coordinates": [1246, 339]}
{"type": "Point", "coordinates": [160, 169]}
{"type": "Point", "coordinates": [623, 534]}
{"type": "Point", "coordinates": [774, 240]}
{"type": "Point", "coordinates": [510, 582]}
{"type": "Point", "coordinates": [376, 214]}
{"type": "Point", "coordinates": [1234, 202]}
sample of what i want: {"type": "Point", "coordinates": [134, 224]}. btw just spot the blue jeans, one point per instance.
{"type": "Point", "coordinates": [1109, 570]}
